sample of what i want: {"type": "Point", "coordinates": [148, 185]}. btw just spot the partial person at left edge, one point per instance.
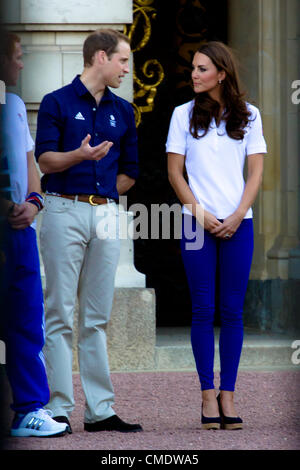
{"type": "Point", "coordinates": [22, 306]}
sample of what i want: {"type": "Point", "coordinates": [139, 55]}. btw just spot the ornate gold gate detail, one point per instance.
{"type": "Point", "coordinates": [151, 73]}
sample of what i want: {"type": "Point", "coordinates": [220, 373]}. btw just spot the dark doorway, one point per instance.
{"type": "Point", "coordinates": [177, 30]}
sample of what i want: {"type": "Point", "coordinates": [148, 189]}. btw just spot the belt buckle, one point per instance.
{"type": "Point", "coordinates": [91, 200]}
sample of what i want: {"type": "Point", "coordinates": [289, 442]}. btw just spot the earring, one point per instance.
{"type": "Point", "coordinates": [220, 81]}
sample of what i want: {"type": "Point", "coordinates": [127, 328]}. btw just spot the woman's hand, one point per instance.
{"type": "Point", "coordinates": [211, 223]}
{"type": "Point", "coordinates": [229, 226]}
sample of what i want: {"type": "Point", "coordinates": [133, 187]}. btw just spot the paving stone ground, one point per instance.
{"type": "Point", "coordinates": [168, 406]}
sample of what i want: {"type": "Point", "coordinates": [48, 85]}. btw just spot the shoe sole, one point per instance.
{"type": "Point", "coordinates": [33, 433]}
{"type": "Point", "coordinates": [232, 427]}
{"type": "Point", "coordinates": [209, 426]}
{"type": "Point", "coordinates": [113, 430]}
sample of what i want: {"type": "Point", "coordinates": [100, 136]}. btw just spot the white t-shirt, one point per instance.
{"type": "Point", "coordinates": [215, 162]}
{"type": "Point", "coordinates": [17, 141]}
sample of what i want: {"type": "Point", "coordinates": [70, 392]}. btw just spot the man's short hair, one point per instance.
{"type": "Point", "coordinates": [7, 43]}
{"type": "Point", "coordinates": [102, 40]}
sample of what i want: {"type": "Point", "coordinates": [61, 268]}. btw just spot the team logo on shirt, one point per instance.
{"type": "Point", "coordinates": [112, 120]}
{"type": "Point", "coordinates": [79, 116]}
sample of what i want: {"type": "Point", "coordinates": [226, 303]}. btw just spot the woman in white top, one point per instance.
{"type": "Point", "coordinates": [209, 139]}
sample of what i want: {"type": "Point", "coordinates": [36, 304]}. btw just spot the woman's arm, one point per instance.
{"type": "Point", "coordinates": [184, 193]}
{"type": "Point", "coordinates": [254, 179]}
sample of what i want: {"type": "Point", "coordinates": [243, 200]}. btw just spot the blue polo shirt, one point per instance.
{"type": "Point", "coordinates": [65, 117]}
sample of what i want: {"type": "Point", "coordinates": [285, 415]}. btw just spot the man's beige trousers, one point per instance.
{"type": "Point", "coordinates": [80, 249]}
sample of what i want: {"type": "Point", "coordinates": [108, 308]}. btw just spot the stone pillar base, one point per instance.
{"type": "Point", "coordinates": [294, 263]}
{"type": "Point", "coordinates": [273, 305]}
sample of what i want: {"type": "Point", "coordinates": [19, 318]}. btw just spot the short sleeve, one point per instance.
{"type": "Point", "coordinates": [128, 161]}
{"type": "Point", "coordinates": [29, 139]}
{"type": "Point", "coordinates": [177, 135]}
{"type": "Point", "coordinates": [49, 126]}
{"type": "Point", "coordinates": [29, 143]}
{"type": "Point", "coordinates": [255, 138]}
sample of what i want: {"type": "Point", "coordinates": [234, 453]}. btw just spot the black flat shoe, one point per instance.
{"type": "Point", "coordinates": [229, 422]}
{"type": "Point", "coordinates": [210, 423]}
{"type": "Point", "coordinates": [113, 423]}
{"type": "Point", "coordinates": [64, 419]}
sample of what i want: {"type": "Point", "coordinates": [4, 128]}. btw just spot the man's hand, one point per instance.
{"type": "Point", "coordinates": [54, 162]}
{"type": "Point", "coordinates": [22, 215]}
{"type": "Point", "coordinates": [94, 153]}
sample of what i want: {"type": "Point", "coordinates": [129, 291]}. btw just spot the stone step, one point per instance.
{"type": "Point", "coordinates": [261, 350]}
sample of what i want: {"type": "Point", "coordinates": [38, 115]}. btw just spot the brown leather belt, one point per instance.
{"type": "Point", "coordinates": [92, 199]}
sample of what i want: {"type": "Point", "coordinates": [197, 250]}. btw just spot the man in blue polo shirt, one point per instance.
{"type": "Point", "coordinates": [86, 146]}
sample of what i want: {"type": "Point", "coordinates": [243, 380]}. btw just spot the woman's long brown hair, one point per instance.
{"type": "Point", "coordinates": [206, 108]}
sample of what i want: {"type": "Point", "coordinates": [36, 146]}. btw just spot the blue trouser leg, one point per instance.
{"type": "Point", "coordinates": [235, 257]}
{"type": "Point", "coordinates": [23, 320]}
{"type": "Point", "coordinates": [232, 260]}
{"type": "Point", "coordinates": [200, 267]}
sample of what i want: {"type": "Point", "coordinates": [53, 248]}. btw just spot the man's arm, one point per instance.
{"type": "Point", "coordinates": [34, 181]}
{"type": "Point", "coordinates": [54, 162]}
{"type": "Point", "coordinates": [23, 214]}
{"type": "Point", "coordinates": [128, 162]}
{"type": "Point", "coordinates": [124, 183]}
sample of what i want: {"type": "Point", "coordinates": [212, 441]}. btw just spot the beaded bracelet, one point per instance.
{"type": "Point", "coordinates": [36, 199]}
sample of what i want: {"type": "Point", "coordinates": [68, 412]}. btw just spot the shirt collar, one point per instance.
{"type": "Point", "coordinates": [82, 90]}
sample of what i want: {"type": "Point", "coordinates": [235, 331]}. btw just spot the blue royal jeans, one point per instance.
{"type": "Point", "coordinates": [230, 261]}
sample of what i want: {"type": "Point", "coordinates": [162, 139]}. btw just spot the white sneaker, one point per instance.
{"type": "Point", "coordinates": [37, 423]}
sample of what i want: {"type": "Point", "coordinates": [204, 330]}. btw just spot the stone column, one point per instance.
{"type": "Point", "coordinates": [264, 33]}
{"type": "Point", "coordinates": [279, 52]}
{"type": "Point", "coordinates": [293, 111]}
